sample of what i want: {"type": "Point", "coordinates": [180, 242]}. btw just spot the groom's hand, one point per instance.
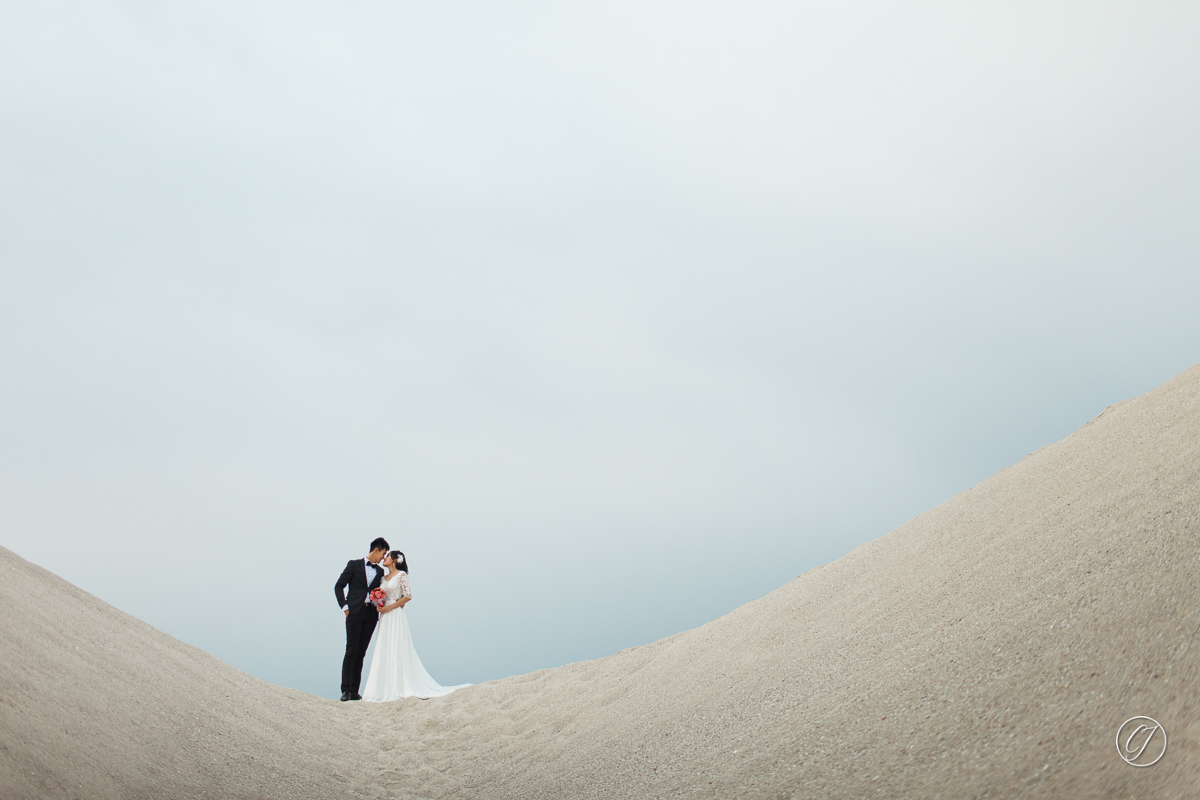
{"type": "Point", "coordinates": [346, 611]}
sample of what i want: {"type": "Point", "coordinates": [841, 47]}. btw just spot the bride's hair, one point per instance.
{"type": "Point", "coordinates": [401, 561]}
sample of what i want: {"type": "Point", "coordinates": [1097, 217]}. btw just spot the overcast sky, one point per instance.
{"type": "Point", "coordinates": [613, 316]}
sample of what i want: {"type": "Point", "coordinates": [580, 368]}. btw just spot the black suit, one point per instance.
{"type": "Point", "coordinates": [361, 621]}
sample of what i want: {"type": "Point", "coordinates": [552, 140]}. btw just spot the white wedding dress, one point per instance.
{"type": "Point", "coordinates": [396, 671]}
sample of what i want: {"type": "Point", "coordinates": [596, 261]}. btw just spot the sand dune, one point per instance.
{"type": "Point", "coordinates": [988, 648]}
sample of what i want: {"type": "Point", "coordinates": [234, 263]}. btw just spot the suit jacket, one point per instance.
{"type": "Point", "coordinates": [354, 576]}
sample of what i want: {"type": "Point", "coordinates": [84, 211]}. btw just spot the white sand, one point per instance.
{"type": "Point", "coordinates": [988, 648]}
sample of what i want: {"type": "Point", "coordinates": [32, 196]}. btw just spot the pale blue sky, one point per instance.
{"type": "Point", "coordinates": [613, 316]}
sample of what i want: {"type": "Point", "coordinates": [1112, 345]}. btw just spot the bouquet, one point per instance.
{"type": "Point", "coordinates": [378, 597]}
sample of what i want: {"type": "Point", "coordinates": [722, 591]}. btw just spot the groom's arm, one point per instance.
{"type": "Point", "coordinates": [339, 588]}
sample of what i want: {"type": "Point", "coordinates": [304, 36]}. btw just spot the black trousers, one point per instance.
{"type": "Point", "coordinates": [360, 624]}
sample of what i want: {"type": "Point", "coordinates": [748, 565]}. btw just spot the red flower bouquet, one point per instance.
{"type": "Point", "coordinates": [378, 597]}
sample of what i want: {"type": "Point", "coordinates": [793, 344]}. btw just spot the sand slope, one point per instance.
{"type": "Point", "coordinates": [988, 648]}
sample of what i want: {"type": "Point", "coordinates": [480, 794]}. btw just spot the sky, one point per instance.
{"type": "Point", "coordinates": [613, 316]}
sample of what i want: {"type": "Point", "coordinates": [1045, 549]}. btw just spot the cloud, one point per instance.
{"type": "Point", "coordinates": [614, 316]}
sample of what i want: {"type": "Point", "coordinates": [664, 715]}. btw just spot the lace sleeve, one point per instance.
{"type": "Point", "coordinates": [404, 590]}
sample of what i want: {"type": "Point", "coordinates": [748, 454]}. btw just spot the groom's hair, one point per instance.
{"type": "Point", "coordinates": [379, 544]}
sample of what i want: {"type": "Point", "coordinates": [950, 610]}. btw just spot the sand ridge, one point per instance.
{"type": "Point", "coordinates": [988, 648]}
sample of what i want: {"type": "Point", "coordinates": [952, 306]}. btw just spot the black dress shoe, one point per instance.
{"type": "Point", "coordinates": [356, 696]}
{"type": "Point", "coordinates": [345, 696]}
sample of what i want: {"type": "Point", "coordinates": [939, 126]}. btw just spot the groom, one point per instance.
{"type": "Point", "coordinates": [361, 575]}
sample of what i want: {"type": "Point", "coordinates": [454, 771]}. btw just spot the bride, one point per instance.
{"type": "Point", "coordinates": [396, 671]}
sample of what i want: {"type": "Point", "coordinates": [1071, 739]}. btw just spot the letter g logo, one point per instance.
{"type": "Point", "coordinates": [1141, 741]}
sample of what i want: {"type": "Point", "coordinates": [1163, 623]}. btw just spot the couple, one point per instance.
{"type": "Point", "coordinates": [396, 671]}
